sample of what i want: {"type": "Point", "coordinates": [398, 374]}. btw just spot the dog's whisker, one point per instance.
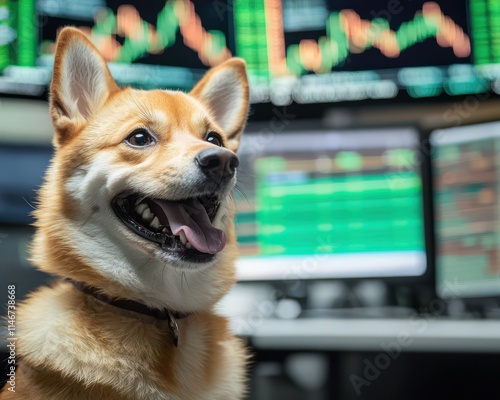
{"type": "Point", "coordinates": [184, 278]}
{"type": "Point", "coordinates": [241, 191]}
{"type": "Point", "coordinates": [143, 265]}
{"type": "Point", "coordinates": [246, 174]}
{"type": "Point", "coordinates": [28, 203]}
{"type": "Point", "coordinates": [87, 220]}
{"type": "Point", "coordinates": [140, 199]}
{"type": "Point", "coordinates": [163, 273]}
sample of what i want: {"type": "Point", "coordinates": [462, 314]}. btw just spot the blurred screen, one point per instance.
{"type": "Point", "coordinates": [21, 173]}
{"type": "Point", "coordinates": [14, 265]}
{"type": "Point", "coordinates": [327, 51]}
{"type": "Point", "coordinates": [330, 204]}
{"type": "Point", "coordinates": [304, 51]}
{"type": "Point", "coordinates": [149, 44]}
{"type": "Point", "coordinates": [466, 166]}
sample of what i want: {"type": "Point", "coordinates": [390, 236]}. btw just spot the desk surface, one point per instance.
{"type": "Point", "coordinates": [417, 334]}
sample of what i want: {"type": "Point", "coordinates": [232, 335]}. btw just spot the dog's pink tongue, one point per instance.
{"type": "Point", "coordinates": [195, 224]}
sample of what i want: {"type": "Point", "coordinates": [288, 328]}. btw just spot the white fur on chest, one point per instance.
{"type": "Point", "coordinates": [55, 341]}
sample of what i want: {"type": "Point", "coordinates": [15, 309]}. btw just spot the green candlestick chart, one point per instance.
{"type": "Point", "coordinates": [18, 33]}
{"type": "Point", "coordinates": [485, 18]}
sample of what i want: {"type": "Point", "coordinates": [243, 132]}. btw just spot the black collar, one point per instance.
{"type": "Point", "coordinates": [135, 306]}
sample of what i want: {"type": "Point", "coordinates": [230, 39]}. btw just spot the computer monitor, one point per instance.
{"type": "Point", "coordinates": [316, 204]}
{"type": "Point", "coordinates": [148, 44]}
{"type": "Point", "coordinates": [466, 163]}
{"type": "Point", "coordinates": [303, 51]}
{"type": "Point", "coordinates": [322, 51]}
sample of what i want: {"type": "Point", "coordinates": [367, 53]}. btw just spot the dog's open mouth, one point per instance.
{"type": "Point", "coordinates": [183, 228]}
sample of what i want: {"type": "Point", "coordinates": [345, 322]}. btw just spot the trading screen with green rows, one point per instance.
{"type": "Point", "coordinates": [317, 202]}
{"type": "Point", "coordinates": [466, 165]}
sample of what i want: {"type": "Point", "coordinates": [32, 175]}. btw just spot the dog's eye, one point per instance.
{"type": "Point", "coordinates": [214, 138]}
{"type": "Point", "coordinates": [140, 138]}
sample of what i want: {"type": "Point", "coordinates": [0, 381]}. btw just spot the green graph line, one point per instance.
{"type": "Point", "coordinates": [167, 26]}
{"type": "Point", "coordinates": [334, 47]}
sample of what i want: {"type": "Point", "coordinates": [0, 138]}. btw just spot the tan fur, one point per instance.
{"type": "Point", "coordinates": [72, 346]}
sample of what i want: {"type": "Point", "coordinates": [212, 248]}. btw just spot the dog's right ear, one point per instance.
{"type": "Point", "coordinates": [81, 83]}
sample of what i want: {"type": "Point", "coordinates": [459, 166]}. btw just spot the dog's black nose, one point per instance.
{"type": "Point", "coordinates": [217, 163]}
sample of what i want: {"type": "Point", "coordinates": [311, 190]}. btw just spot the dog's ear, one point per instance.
{"type": "Point", "coordinates": [81, 83]}
{"type": "Point", "coordinates": [224, 90]}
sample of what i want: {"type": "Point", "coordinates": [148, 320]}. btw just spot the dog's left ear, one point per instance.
{"type": "Point", "coordinates": [224, 90]}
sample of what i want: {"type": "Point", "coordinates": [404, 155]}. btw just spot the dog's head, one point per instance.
{"type": "Point", "coordinates": [137, 199]}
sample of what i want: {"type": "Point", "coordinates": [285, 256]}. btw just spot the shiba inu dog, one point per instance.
{"type": "Point", "coordinates": [135, 218]}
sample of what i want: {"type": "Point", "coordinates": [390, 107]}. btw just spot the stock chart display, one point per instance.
{"type": "Point", "coordinates": [148, 44]}
{"type": "Point", "coordinates": [318, 36]}
{"type": "Point", "coordinates": [466, 165]}
{"type": "Point", "coordinates": [351, 199]}
{"type": "Point", "coordinates": [156, 32]}
{"type": "Point", "coordinates": [303, 51]}
{"type": "Point", "coordinates": [325, 50]}
{"type": "Point", "coordinates": [16, 49]}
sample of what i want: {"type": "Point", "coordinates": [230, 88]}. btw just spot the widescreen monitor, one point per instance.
{"type": "Point", "coordinates": [316, 204]}
{"type": "Point", "coordinates": [303, 51]}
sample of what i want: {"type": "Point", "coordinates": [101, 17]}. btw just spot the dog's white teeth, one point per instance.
{"type": "Point", "coordinates": [140, 208]}
{"type": "Point", "coordinates": [184, 240]}
{"type": "Point", "coordinates": [182, 235]}
{"type": "Point", "coordinates": [155, 223]}
{"type": "Point", "coordinates": [165, 230]}
{"type": "Point", "coordinates": [147, 215]}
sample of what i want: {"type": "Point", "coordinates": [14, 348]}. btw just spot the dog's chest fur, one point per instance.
{"type": "Point", "coordinates": [132, 357]}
